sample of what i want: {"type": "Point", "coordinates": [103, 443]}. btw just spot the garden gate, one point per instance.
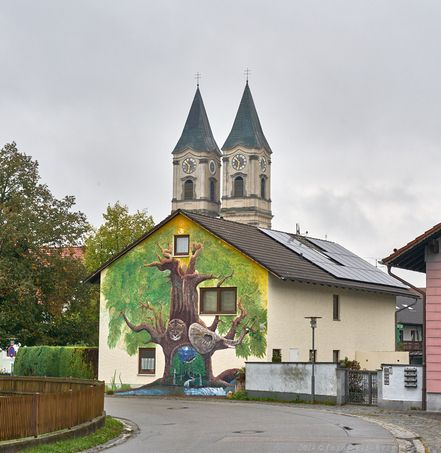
{"type": "Point", "coordinates": [361, 387]}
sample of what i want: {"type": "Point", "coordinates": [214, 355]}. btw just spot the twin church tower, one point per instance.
{"type": "Point", "coordinates": [243, 166]}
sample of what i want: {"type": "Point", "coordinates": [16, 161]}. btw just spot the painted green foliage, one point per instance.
{"type": "Point", "coordinates": [143, 293]}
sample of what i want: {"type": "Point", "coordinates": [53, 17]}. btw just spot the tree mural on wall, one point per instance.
{"type": "Point", "coordinates": [165, 310]}
{"type": "Point", "coordinates": [185, 326]}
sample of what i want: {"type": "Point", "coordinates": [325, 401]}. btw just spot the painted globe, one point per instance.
{"type": "Point", "coordinates": [186, 354]}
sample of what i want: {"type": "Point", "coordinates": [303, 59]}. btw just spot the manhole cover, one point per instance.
{"type": "Point", "coordinates": [248, 431]}
{"type": "Point", "coordinates": [177, 408]}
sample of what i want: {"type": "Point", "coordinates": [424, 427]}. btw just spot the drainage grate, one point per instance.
{"type": "Point", "coordinates": [177, 408]}
{"type": "Point", "coordinates": [248, 431]}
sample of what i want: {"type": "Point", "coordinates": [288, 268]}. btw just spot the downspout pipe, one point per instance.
{"type": "Point", "coordinates": [423, 297]}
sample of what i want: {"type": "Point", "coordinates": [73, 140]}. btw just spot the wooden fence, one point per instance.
{"type": "Point", "coordinates": [30, 406]}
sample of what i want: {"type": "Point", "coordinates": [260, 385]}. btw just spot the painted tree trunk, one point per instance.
{"type": "Point", "coordinates": [183, 314]}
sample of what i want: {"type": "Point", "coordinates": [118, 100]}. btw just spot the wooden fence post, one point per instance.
{"type": "Point", "coordinates": [35, 412]}
{"type": "Point", "coordinates": [70, 408]}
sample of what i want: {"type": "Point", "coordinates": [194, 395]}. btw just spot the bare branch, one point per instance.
{"type": "Point", "coordinates": [166, 262]}
{"type": "Point", "coordinates": [215, 323]}
{"type": "Point", "coordinates": [166, 252]}
{"type": "Point", "coordinates": [222, 280]}
{"type": "Point", "coordinates": [199, 278]}
{"type": "Point", "coordinates": [197, 248]}
{"type": "Point", "coordinates": [156, 337]}
{"type": "Point", "coordinates": [241, 336]}
{"type": "Point", "coordinates": [227, 343]}
{"type": "Point", "coordinates": [243, 312]}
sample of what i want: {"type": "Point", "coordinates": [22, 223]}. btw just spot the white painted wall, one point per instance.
{"type": "Point", "coordinates": [291, 378]}
{"type": "Point", "coordinates": [373, 360]}
{"type": "Point", "coordinates": [367, 320]}
{"type": "Point", "coordinates": [396, 391]}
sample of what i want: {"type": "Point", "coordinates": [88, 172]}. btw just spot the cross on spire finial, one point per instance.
{"type": "Point", "coordinates": [247, 73]}
{"type": "Point", "coordinates": [197, 76]}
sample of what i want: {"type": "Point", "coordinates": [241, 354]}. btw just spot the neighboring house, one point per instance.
{"type": "Point", "coordinates": [196, 296]}
{"type": "Point", "coordinates": [423, 255]}
{"type": "Point", "coordinates": [410, 327]}
{"type": "Point", "coordinates": [74, 252]}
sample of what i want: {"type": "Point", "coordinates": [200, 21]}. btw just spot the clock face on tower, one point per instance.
{"type": "Point", "coordinates": [189, 165]}
{"type": "Point", "coordinates": [212, 167]}
{"type": "Point", "coordinates": [263, 164]}
{"type": "Point", "coordinates": [239, 161]}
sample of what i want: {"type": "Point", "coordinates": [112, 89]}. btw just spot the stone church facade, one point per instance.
{"type": "Point", "coordinates": [242, 167]}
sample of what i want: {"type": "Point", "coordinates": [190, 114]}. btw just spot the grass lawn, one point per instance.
{"type": "Point", "coordinates": [111, 429]}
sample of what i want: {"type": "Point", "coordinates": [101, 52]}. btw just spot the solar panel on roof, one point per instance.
{"type": "Point", "coordinates": [334, 258]}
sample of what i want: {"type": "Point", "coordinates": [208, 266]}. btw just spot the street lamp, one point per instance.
{"type": "Point", "coordinates": [313, 323]}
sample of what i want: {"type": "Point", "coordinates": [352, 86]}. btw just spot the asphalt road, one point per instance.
{"type": "Point", "coordinates": [184, 425]}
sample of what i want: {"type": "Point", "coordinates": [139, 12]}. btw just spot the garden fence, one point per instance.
{"type": "Point", "coordinates": [30, 406]}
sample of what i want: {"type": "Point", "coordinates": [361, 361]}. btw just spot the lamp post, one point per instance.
{"type": "Point", "coordinates": [313, 323]}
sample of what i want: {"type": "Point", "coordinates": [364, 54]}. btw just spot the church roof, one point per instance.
{"type": "Point", "coordinates": [277, 256]}
{"type": "Point", "coordinates": [197, 133]}
{"type": "Point", "coordinates": [246, 130]}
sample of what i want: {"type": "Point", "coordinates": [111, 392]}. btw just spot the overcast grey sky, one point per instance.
{"type": "Point", "coordinates": [348, 93]}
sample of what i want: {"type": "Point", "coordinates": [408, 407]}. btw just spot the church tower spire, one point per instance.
{"type": "Point", "coordinates": [196, 164]}
{"type": "Point", "coordinates": [247, 168]}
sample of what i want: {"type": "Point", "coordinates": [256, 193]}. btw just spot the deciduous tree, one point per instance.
{"type": "Point", "coordinates": [40, 283]}
{"type": "Point", "coordinates": [120, 228]}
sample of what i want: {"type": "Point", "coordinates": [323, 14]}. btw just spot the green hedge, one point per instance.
{"type": "Point", "coordinates": [57, 361]}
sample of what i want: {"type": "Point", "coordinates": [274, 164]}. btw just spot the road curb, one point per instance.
{"type": "Point", "coordinates": [408, 441]}
{"type": "Point", "coordinates": [131, 429]}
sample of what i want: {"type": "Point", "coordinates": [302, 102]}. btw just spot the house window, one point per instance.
{"type": "Point", "coordinates": [212, 190]}
{"type": "Point", "coordinates": [146, 363]}
{"type": "Point", "coordinates": [277, 356]}
{"type": "Point", "coordinates": [218, 301]}
{"type": "Point", "coordinates": [262, 188]}
{"type": "Point", "coordinates": [238, 186]}
{"type": "Point", "coordinates": [182, 244]}
{"type": "Point", "coordinates": [336, 308]}
{"type": "Point", "coordinates": [313, 355]}
{"type": "Point", "coordinates": [415, 335]}
{"type": "Point", "coordinates": [188, 190]}
{"type": "Point", "coordinates": [336, 355]}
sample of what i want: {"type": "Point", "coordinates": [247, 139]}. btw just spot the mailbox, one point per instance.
{"type": "Point", "coordinates": [410, 377]}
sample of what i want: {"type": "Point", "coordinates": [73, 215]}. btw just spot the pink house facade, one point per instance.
{"type": "Point", "coordinates": [423, 255]}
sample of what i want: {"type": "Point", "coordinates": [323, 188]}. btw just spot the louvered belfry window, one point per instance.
{"type": "Point", "coordinates": [212, 190]}
{"type": "Point", "coordinates": [238, 186]}
{"type": "Point", "coordinates": [188, 190]}
{"type": "Point", "coordinates": [262, 188]}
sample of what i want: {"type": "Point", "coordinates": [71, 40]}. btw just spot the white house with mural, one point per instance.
{"type": "Point", "coordinates": [213, 286]}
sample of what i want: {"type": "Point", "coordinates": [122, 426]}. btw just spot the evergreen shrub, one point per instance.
{"type": "Point", "coordinates": [57, 361]}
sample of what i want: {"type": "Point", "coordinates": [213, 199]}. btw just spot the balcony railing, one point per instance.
{"type": "Point", "coordinates": [410, 346]}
